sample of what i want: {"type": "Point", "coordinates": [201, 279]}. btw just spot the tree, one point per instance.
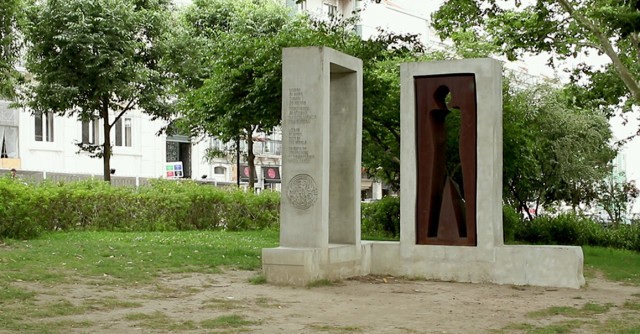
{"type": "Point", "coordinates": [98, 59]}
{"type": "Point", "coordinates": [615, 197]}
{"type": "Point", "coordinates": [10, 44]}
{"type": "Point", "coordinates": [553, 152]}
{"type": "Point", "coordinates": [565, 29]}
{"type": "Point", "coordinates": [240, 92]}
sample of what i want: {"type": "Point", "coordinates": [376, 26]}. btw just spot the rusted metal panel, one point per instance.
{"type": "Point", "coordinates": [445, 210]}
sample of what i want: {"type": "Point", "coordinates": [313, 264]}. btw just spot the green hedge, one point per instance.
{"type": "Point", "coordinates": [572, 229]}
{"type": "Point", "coordinates": [27, 210]}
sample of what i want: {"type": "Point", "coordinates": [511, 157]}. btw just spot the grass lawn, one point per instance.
{"type": "Point", "coordinates": [139, 257]}
{"type": "Point", "coordinates": [128, 257]}
{"type": "Point", "coordinates": [615, 264]}
{"type": "Point", "coordinates": [135, 258]}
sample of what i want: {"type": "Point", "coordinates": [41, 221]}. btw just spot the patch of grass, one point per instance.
{"type": "Point", "coordinates": [7, 292]}
{"type": "Point", "coordinates": [267, 302]}
{"type": "Point", "coordinates": [146, 316]}
{"type": "Point", "coordinates": [30, 317]}
{"type": "Point", "coordinates": [227, 321]}
{"type": "Point", "coordinates": [615, 264]}
{"type": "Point", "coordinates": [515, 328]}
{"type": "Point", "coordinates": [159, 320]}
{"type": "Point", "coordinates": [336, 329]}
{"type": "Point", "coordinates": [586, 310]}
{"type": "Point", "coordinates": [628, 324]}
{"type": "Point", "coordinates": [258, 279]}
{"type": "Point", "coordinates": [319, 283]}
{"type": "Point", "coordinates": [60, 308]}
{"type": "Point", "coordinates": [554, 328]}
{"type": "Point", "coordinates": [631, 305]}
{"type": "Point", "coordinates": [625, 323]}
{"type": "Point", "coordinates": [110, 303]}
{"type": "Point", "coordinates": [222, 304]}
{"type": "Point", "coordinates": [63, 325]}
{"type": "Point", "coordinates": [130, 257]}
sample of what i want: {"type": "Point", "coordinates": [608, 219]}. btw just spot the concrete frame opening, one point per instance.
{"type": "Point", "coordinates": [342, 153]}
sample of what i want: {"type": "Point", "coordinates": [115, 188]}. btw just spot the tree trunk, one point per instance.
{"type": "Point", "coordinates": [106, 158]}
{"type": "Point", "coordinates": [251, 157]}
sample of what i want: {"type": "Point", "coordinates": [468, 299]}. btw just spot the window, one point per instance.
{"type": "Point", "coordinates": [330, 10]}
{"type": "Point", "coordinates": [302, 6]}
{"type": "Point", "coordinates": [217, 145]}
{"type": "Point", "coordinates": [8, 142]}
{"type": "Point", "coordinates": [44, 126]}
{"type": "Point", "coordinates": [8, 131]}
{"type": "Point", "coordinates": [274, 146]}
{"type": "Point", "coordinates": [219, 170]}
{"type": "Point", "coordinates": [91, 132]}
{"type": "Point", "coordinates": [123, 134]}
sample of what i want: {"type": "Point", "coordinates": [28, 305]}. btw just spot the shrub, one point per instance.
{"type": "Point", "coordinates": [511, 220]}
{"type": "Point", "coordinates": [164, 205]}
{"type": "Point", "coordinates": [16, 214]}
{"type": "Point", "coordinates": [381, 219]}
{"type": "Point", "coordinates": [573, 229]}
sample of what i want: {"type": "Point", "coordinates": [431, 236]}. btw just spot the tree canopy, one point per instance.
{"type": "Point", "coordinates": [10, 44]}
{"type": "Point", "coordinates": [564, 29]}
{"type": "Point", "coordinates": [232, 91]}
{"type": "Point", "coordinates": [237, 90]}
{"type": "Point", "coordinates": [553, 152]}
{"type": "Point", "coordinates": [97, 60]}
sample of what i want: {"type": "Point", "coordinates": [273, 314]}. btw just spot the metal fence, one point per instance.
{"type": "Point", "coordinates": [37, 177]}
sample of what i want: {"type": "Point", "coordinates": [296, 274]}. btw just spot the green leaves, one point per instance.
{"type": "Point", "coordinates": [90, 58]}
{"type": "Point", "coordinates": [563, 29]}
{"type": "Point", "coordinates": [11, 16]}
{"type": "Point", "coordinates": [553, 151]}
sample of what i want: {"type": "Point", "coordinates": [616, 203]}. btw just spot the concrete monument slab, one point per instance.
{"type": "Point", "coordinates": [489, 260]}
{"type": "Point", "coordinates": [322, 145]}
{"type": "Point", "coordinates": [320, 206]}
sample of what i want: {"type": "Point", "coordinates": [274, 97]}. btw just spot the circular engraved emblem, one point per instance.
{"type": "Point", "coordinates": [302, 191]}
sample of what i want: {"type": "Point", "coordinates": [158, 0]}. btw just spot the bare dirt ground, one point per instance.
{"type": "Point", "coordinates": [372, 304]}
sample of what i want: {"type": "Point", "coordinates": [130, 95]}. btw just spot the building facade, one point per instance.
{"type": "Point", "coordinates": [49, 144]}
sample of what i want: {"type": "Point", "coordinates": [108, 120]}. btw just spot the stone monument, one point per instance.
{"type": "Point", "coordinates": [450, 219]}
{"type": "Point", "coordinates": [476, 91]}
{"type": "Point", "coordinates": [322, 136]}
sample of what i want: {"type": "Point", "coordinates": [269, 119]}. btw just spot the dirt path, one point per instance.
{"type": "Point", "coordinates": [191, 302]}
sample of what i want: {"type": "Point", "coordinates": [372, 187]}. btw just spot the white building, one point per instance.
{"type": "Point", "coordinates": [324, 8]}
{"type": "Point", "coordinates": [47, 144]}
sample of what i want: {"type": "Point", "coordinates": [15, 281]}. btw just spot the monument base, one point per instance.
{"type": "Point", "coordinates": [552, 266]}
{"type": "Point", "coordinates": [301, 266]}
{"type": "Point", "coordinates": [548, 266]}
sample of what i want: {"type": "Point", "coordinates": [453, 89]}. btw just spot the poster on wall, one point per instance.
{"type": "Point", "coordinates": [173, 170]}
{"type": "Point", "coordinates": [245, 171]}
{"type": "Point", "coordinates": [271, 174]}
